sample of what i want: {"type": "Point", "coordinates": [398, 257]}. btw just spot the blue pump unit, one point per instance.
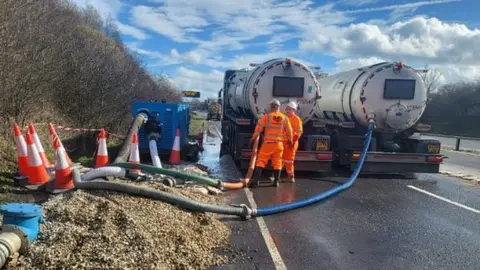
{"type": "Point", "coordinates": [25, 216]}
{"type": "Point", "coordinates": [170, 116]}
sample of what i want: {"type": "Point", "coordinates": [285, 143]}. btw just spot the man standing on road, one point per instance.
{"type": "Point", "coordinates": [277, 130]}
{"type": "Point", "coordinates": [290, 150]}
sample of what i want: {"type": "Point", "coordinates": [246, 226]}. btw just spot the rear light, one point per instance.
{"type": "Point", "coordinates": [423, 127]}
{"type": "Point", "coordinates": [328, 156]}
{"type": "Point", "coordinates": [244, 154]}
{"type": "Point", "coordinates": [435, 159]}
{"type": "Point", "coordinates": [243, 122]}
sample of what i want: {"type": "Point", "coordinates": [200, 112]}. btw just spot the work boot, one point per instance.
{"type": "Point", "coordinates": [276, 174]}
{"type": "Point", "coordinates": [255, 182]}
{"type": "Point", "coordinates": [290, 179]}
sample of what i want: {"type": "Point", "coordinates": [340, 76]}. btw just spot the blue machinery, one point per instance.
{"type": "Point", "coordinates": [21, 225]}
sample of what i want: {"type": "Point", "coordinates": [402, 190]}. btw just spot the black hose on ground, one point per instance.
{"type": "Point", "coordinates": [98, 184]}
{"type": "Point", "coordinates": [137, 123]}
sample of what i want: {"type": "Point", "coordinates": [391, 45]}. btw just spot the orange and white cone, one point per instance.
{"type": "Point", "coordinates": [175, 155]}
{"type": "Point", "coordinates": [22, 154]}
{"type": "Point", "coordinates": [38, 144]}
{"type": "Point", "coordinates": [102, 152]}
{"type": "Point", "coordinates": [134, 152]}
{"type": "Point", "coordinates": [63, 173]}
{"type": "Point", "coordinates": [37, 173]}
{"type": "Point", "coordinates": [54, 135]}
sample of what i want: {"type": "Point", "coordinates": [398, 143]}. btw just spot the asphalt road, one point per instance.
{"type": "Point", "coordinates": [429, 222]}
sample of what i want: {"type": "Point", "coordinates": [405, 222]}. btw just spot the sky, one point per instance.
{"type": "Point", "coordinates": [195, 41]}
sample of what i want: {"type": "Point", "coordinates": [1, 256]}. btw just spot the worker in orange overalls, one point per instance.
{"type": "Point", "coordinates": [277, 130]}
{"type": "Point", "coordinates": [289, 149]}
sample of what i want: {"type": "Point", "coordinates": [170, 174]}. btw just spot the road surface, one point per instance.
{"type": "Point", "coordinates": [429, 222]}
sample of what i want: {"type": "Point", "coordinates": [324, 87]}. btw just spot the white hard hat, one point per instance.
{"type": "Point", "coordinates": [275, 101]}
{"type": "Point", "coordinates": [292, 104]}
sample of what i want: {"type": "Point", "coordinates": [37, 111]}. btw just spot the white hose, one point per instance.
{"type": "Point", "coordinates": [9, 244]}
{"type": "Point", "coordinates": [104, 172]}
{"type": "Point", "coordinates": [154, 154]}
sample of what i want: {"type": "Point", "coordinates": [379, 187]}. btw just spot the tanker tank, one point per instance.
{"type": "Point", "coordinates": [393, 92]}
{"type": "Point", "coordinates": [285, 79]}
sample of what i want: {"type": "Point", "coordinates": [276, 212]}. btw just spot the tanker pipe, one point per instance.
{"type": "Point", "coordinates": [242, 210]}
{"type": "Point", "coordinates": [109, 171]}
{"type": "Point", "coordinates": [275, 209]}
{"type": "Point", "coordinates": [137, 122]}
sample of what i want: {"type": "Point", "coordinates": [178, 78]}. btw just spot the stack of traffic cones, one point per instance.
{"type": "Point", "coordinates": [38, 144]}
{"type": "Point", "coordinates": [37, 173]}
{"type": "Point", "coordinates": [175, 155]}
{"type": "Point", "coordinates": [54, 135]}
{"type": "Point", "coordinates": [102, 152]}
{"type": "Point", "coordinates": [22, 154]}
{"type": "Point", "coordinates": [63, 173]}
{"type": "Point", "coordinates": [134, 152]}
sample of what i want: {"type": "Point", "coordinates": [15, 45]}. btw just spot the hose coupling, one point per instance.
{"type": "Point", "coordinates": [220, 185]}
{"type": "Point", "coordinates": [132, 175]}
{"type": "Point", "coordinates": [371, 119]}
{"type": "Point", "coordinates": [247, 212]}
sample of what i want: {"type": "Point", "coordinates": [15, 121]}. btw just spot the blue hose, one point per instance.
{"type": "Point", "coordinates": [264, 211]}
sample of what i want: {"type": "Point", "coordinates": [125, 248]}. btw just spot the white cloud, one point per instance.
{"type": "Point", "coordinates": [207, 83]}
{"type": "Point", "coordinates": [402, 6]}
{"type": "Point", "coordinates": [359, 2]}
{"type": "Point", "coordinates": [230, 22]}
{"type": "Point", "coordinates": [419, 39]}
{"type": "Point", "coordinates": [233, 25]}
{"type": "Point", "coordinates": [131, 31]}
{"type": "Point", "coordinates": [349, 63]}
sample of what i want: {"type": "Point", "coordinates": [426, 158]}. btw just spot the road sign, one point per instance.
{"type": "Point", "coordinates": [193, 94]}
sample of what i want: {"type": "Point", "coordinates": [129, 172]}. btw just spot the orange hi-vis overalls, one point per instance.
{"type": "Point", "coordinates": [277, 129]}
{"type": "Point", "coordinates": [290, 151]}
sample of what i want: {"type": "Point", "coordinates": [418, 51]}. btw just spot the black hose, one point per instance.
{"type": "Point", "coordinates": [124, 152]}
{"type": "Point", "coordinates": [180, 201]}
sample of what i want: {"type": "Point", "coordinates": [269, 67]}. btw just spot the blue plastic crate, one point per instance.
{"type": "Point", "coordinates": [171, 116]}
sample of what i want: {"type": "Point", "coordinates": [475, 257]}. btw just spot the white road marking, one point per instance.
{"type": "Point", "coordinates": [272, 248]}
{"type": "Point", "coordinates": [445, 200]}
{"type": "Point", "coordinates": [218, 131]}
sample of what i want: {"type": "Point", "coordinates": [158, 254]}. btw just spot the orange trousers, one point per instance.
{"type": "Point", "coordinates": [289, 157]}
{"type": "Point", "coordinates": [273, 151]}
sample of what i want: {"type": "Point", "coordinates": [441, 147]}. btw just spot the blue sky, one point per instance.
{"type": "Point", "coordinates": [195, 41]}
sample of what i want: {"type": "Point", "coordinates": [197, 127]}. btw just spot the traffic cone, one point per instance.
{"type": "Point", "coordinates": [38, 144]}
{"type": "Point", "coordinates": [37, 173]}
{"type": "Point", "coordinates": [175, 155]}
{"type": "Point", "coordinates": [134, 153]}
{"type": "Point", "coordinates": [63, 173]}
{"type": "Point", "coordinates": [102, 152]}
{"type": "Point", "coordinates": [22, 154]}
{"type": "Point", "coordinates": [54, 135]}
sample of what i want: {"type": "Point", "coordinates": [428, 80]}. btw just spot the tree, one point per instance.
{"type": "Point", "coordinates": [432, 79]}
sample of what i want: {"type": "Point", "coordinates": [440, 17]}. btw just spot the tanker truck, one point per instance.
{"type": "Point", "coordinates": [396, 96]}
{"type": "Point", "coordinates": [214, 110]}
{"type": "Point", "coordinates": [245, 97]}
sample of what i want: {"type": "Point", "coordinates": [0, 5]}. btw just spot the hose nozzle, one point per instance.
{"type": "Point", "coordinates": [371, 119]}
